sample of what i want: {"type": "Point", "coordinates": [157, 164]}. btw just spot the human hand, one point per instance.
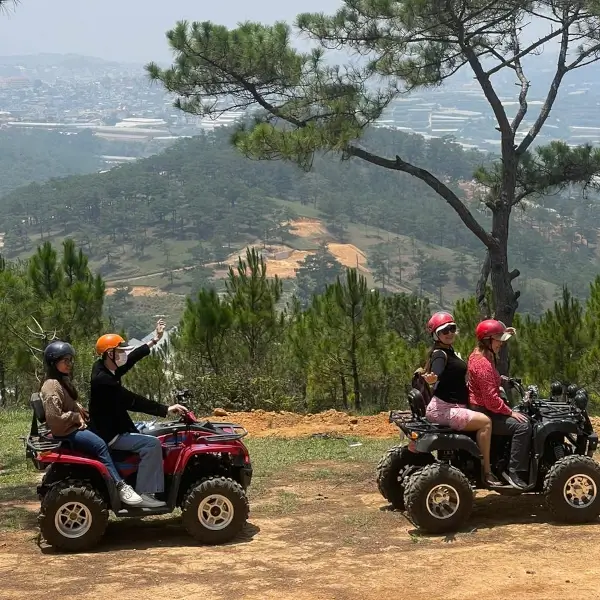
{"type": "Point", "coordinates": [82, 424]}
{"type": "Point", "coordinates": [84, 413]}
{"type": "Point", "coordinates": [505, 381]}
{"type": "Point", "coordinates": [178, 409]}
{"type": "Point", "coordinates": [160, 328]}
{"type": "Point", "coordinates": [430, 378]}
{"type": "Point", "coordinates": [519, 416]}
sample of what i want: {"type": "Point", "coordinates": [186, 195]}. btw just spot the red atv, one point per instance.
{"type": "Point", "coordinates": [207, 471]}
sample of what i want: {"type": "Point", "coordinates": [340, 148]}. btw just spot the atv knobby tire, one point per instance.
{"type": "Point", "coordinates": [438, 498]}
{"type": "Point", "coordinates": [215, 510]}
{"type": "Point", "coordinates": [73, 516]}
{"type": "Point", "coordinates": [572, 487]}
{"type": "Point", "coordinates": [390, 472]}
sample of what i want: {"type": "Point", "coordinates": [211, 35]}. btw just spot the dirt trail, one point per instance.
{"type": "Point", "coordinates": [319, 531]}
{"type": "Point", "coordinates": [338, 543]}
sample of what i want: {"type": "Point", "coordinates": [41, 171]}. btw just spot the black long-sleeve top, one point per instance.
{"type": "Point", "coordinates": [110, 401]}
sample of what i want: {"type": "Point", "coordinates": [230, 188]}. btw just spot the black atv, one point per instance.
{"type": "Point", "coordinates": [434, 475]}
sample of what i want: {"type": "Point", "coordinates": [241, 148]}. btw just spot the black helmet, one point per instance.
{"type": "Point", "coordinates": [572, 390]}
{"type": "Point", "coordinates": [581, 399]}
{"type": "Point", "coordinates": [56, 350]}
{"type": "Point", "coordinates": [556, 388]}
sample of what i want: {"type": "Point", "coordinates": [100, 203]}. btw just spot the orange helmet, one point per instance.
{"type": "Point", "coordinates": [110, 341]}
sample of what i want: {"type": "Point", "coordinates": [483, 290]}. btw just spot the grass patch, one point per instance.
{"type": "Point", "coordinates": [283, 504]}
{"type": "Point", "coordinates": [273, 456]}
{"type": "Point", "coordinates": [302, 210]}
{"type": "Point", "coordinates": [15, 517]}
{"type": "Point", "coordinates": [361, 520]}
{"type": "Point", "coordinates": [322, 474]}
{"type": "Point", "coordinates": [19, 477]}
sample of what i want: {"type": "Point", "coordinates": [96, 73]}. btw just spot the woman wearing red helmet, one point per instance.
{"type": "Point", "coordinates": [448, 406]}
{"type": "Point", "coordinates": [484, 396]}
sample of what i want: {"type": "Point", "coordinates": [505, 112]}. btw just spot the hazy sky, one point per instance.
{"type": "Point", "coordinates": [128, 30]}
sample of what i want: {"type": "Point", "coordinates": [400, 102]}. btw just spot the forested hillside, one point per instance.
{"type": "Point", "coordinates": [36, 155]}
{"type": "Point", "coordinates": [200, 202]}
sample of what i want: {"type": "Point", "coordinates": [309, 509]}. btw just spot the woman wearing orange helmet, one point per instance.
{"type": "Point", "coordinates": [484, 396]}
{"type": "Point", "coordinates": [449, 404]}
{"type": "Point", "coordinates": [109, 406]}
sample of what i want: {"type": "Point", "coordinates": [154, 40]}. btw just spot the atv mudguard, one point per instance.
{"type": "Point", "coordinates": [544, 429]}
{"type": "Point", "coordinates": [447, 441]}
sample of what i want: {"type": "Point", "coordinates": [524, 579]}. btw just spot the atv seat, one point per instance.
{"type": "Point", "coordinates": [417, 403]}
{"type": "Point", "coordinates": [38, 423]}
{"type": "Point", "coordinates": [40, 437]}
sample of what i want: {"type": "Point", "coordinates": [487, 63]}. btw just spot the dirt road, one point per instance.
{"type": "Point", "coordinates": [321, 532]}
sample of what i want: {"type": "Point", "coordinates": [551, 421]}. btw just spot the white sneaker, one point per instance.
{"type": "Point", "coordinates": [129, 496]}
{"type": "Point", "coordinates": [149, 501]}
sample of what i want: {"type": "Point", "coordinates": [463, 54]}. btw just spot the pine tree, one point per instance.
{"type": "Point", "coordinates": [315, 273]}
{"type": "Point", "coordinates": [206, 323]}
{"type": "Point", "coordinates": [254, 300]}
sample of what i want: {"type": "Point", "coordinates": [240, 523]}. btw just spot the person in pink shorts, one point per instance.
{"type": "Point", "coordinates": [447, 373]}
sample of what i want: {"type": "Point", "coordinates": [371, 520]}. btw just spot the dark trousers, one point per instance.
{"type": "Point", "coordinates": [521, 437]}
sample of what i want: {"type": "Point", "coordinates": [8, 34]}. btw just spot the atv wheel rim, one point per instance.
{"type": "Point", "coordinates": [580, 491]}
{"type": "Point", "coordinates": [215, 512]}
{"type": "Point", "coordinates": [442, 501]}
{"type": "Point", "coordinates": [73, 520]}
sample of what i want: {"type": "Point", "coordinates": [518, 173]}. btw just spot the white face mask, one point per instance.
{"type": "Point", "coordinates": [121, 359]}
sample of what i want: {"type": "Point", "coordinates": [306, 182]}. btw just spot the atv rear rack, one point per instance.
{"type": "Point", "coordinates": [407, 422]}
{"type": "Point", "coordinates": [42, 444]}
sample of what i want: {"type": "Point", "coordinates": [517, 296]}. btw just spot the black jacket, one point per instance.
{"type": "Point", "coordinates": [110, 401]}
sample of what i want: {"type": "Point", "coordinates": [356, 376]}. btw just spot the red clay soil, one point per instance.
{"type": "Point", "coordinates": [260, 423]}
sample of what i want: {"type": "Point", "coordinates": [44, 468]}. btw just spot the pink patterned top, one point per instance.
{"type": "Point", "coordinates": [484, 384]}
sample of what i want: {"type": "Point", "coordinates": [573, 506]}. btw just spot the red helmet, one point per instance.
{"type": "Point", "coordinates": [439, 319]}
{"type": "Point", "coordinates": [490, 328]}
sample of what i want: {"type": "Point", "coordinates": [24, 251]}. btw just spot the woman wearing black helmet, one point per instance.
{"type": "Point", "coordinates": [66, 418]}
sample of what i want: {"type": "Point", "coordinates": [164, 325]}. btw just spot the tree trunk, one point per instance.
{"type": "Point", "coordinates": [3, 398]}
{"type": "Point", "coordinates": [344, 392]}
{"type": "Point", "coordinates": [355, 379]}
{"type": "Point", "coordinates": [504, 295]}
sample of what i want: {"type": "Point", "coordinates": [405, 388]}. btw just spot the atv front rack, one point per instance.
{"type": "Point", "coordinates": [213, 426]}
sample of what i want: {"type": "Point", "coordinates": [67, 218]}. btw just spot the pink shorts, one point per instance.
{"type": "Point", "coordinates": [456, 416]}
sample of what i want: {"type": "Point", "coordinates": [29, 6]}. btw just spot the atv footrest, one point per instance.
{"type": "Point", "coordinates": [132, 511]}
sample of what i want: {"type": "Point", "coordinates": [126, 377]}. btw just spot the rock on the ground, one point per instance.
{"type": "Point", "coordinates": [220, 412]}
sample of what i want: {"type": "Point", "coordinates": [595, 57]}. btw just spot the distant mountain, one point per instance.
{"type": "Point", "coordinates": [71, 61]}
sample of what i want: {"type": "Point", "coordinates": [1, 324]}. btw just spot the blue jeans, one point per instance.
{"type": "Point", "coordinates": [150, 477]}
{"type": "Point", "coordinates": [89, 442]}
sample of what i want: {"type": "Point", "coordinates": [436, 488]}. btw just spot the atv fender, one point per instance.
{"type": "Point", "coordinates": [447, 441]}
{"type": "Point", "coordinates": [544, 430]}
{"type": "Point", "coordinates": [64, 466]}
{"type": "Point", "coordinates": [236, 453]}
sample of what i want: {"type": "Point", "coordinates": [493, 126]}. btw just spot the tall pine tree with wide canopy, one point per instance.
{"type": "Point", "coordinates": [306, 105]}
